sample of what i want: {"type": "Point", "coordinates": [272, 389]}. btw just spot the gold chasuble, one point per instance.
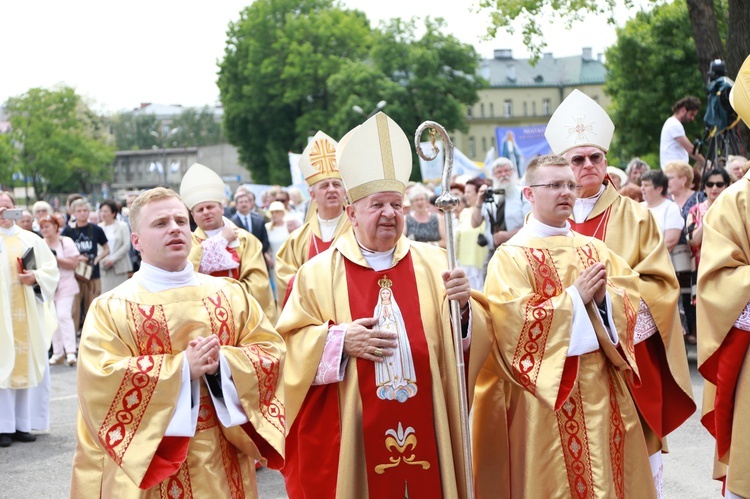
{"type": "Point", "coordinates": [724, 332]}
{"type": "Point", "coordinates": [129, 378]}
{"type": "Point", "coordinates": [546, 425]}
{"type": "Point", "coordinates": [251, 273]}
{"type": "Point", "coordinates": [301, 245]}
{"type": "Point", "coordinates": [26, 322]}
{"type": "Point", "coordinates": [390, 429]}
{"type": "Point", "coordinates": [665, 397]}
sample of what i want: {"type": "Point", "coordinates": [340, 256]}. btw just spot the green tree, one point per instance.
{"type": "Point", "coordinates": [61, 144]}
{"type": "Point", "coordinates": [196, 127]}
{"type": "Point", "coordinates": [277, 60]}
{"type": "Point", "coordinates": [293, 67]}
{"type": "Point", "coordinates": [131, 131]}
{"type": "Point", "coordinates": [702, 19]}
{"type": "Point", "coordinates": [650, 67]}
{"type": "Point", "coordinates": [7, 156]}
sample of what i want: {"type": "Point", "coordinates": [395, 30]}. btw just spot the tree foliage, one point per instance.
{"type": "Point", "coordinates": [293, 67]}
{"type": "Point", "coordinates": [195, 127]}
{"type": "Point", "coordinates": [60, 144]}
{"type": "Point", "coordinates": [651, 66]}
{"type": "Point", "coordinates": [703, 19]}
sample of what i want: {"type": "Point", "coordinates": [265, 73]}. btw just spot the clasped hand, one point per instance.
{"type": "Point", "coordinates": [364, 341]}
{"type": "Point", "coordinates": [592, 284]}
{"type": "Point", "coordinates": [203, 356]}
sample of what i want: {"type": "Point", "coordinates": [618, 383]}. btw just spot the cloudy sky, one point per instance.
{"type": "Point", "coordinates": [119, 54]}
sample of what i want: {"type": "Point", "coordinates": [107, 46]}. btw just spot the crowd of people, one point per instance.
{"type": "Point", "coordinates": [315, 336]}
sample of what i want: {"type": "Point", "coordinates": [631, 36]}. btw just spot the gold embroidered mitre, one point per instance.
{"type": "Point", "coordinates": [579, 121]}
{"type": "Point", "coordinates": [201, 184]}
{"type": "Point", "coordinates": [374, 157]}
{"type": "Point", "coordinates": [739, 97]}
{"type": "Point", "coordinates": [318, 160]}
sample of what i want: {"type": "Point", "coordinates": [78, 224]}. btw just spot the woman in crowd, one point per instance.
{"type": "Point", "coordinates": [469, 254]}
{"type": "Point", "coordinates": [115, 266]}
{"type": "Point", "coordinates": [422, 225]}
{"type": "Point", "coordinates": [665, 211]}
{"type": "Point", "coordinates": [716, 181]}
{"type": "Point", "coordinates": [277, 234]}
{"type": "Point", "coordinates": [64, 249]}
{"type": "Point", "coordinates": [680, 176]}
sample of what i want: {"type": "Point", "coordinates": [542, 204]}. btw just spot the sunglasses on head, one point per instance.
{"type": "Point", "coordinates": [717, 184]}
{"type": "Point", "coordinates": [579, 160]}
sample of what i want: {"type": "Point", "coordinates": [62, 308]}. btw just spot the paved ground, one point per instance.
{"type": "Point", "coordinates": [42, 469]}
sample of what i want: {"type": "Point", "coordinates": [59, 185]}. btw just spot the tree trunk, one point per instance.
{"type": "Point", "coordinates": [738, 38]}
{"type": "Point", "coordinates": [708, 44]}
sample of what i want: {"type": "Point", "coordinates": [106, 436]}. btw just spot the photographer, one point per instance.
{"type": "Point", "coordinates": [502, 207]}
{"type": "Point", "coordinates": [674, 144]}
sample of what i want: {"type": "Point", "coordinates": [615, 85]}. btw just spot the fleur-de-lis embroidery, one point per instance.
{"type": "Point", "coordinates": [400, 442]}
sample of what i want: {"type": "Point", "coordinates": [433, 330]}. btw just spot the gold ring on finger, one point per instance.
{"type": "Point", "coordinates": [378, 352]}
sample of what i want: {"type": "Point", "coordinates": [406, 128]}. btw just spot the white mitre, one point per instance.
{"type": "Point", "coordinates": [374, 157]}
{"type": "Point", "coordinates": [739, 97]}
{"type": "Point", "coordinates": [318, 160]}
{"type": "Point", "coordinates": [201, 184]}
{"type": "Point", "coordinates": [579, 121]}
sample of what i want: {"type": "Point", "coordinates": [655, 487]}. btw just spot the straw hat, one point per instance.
{"type": "Point", "coordinates": [276, 206]}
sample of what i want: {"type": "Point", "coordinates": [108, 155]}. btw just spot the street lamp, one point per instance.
{"type": "Point", "coordinates": [380, 105]}
{"type": "Point", "coordinates": [162, 139]}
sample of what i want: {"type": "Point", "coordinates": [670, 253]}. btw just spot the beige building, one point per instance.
{"type": "Point", "coordinates": [520, 95]}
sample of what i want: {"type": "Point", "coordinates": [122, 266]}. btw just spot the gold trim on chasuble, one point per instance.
{"type": "Point", "coordinates": [527, 359]}
{"type": "Point", "coordinates": [139, 382]}
{"type": "Point", "coordinates": [589, 256]}
{"type": "Point", "coordinates": [178, 485]}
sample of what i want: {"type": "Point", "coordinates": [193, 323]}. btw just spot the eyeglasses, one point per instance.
{"type": "Point", "coordinates": [558, 186]}
{"type": "Point", "coordinates": [717, 184]}
{"type": "Point", "coordinates": [579, 160]}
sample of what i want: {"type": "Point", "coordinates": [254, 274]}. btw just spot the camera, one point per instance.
{"type": "Point", "coordinates": [489, 195]}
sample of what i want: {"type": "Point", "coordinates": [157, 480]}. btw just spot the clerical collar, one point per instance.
{"type": "Point", "coordinates": [378, 260]}
{"type": "Point", "coordinates": [584, 206]}
{"type": "Point", "coordinates": [328, 227]}
{"type": "Point", "coordinates": [535, 228]}
{"type": "Point", "coordinates": [155, 279]}
{"type": "Point", "coordinates": [13, 229]}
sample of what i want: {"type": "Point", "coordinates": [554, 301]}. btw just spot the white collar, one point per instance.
{"type": "Point", "coordinates": [539, 229]}
{"type": "Point", "coordinates": [584, 206]}
{"type": "Point", "coordinates": [332, 222]}
{"type": "Point", "coordinates": [155, 279]}
{"type": "Point", "coordinates": [10, 231]}
{"type": "Point", "coordinates": [378, 260]}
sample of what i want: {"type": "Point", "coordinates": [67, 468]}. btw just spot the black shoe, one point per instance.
{"type": "Point", "coordinates": [5, 440]}
{"type": "Point", "coordinates": [23, 436]}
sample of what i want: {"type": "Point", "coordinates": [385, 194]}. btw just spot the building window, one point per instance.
{"type": "Point", "coordinates": [533, 108]}
{"type": "Point", "coordinates": [525, 108]}
{"type": "Point", "coordinates": [472, 148]}
{"type": "Point", "coordinates": [492, 142]}
{"type": "Point", "coordinates": [481, 110]}
{"type": "Point", "coordinates": [492, 110]}
{"type": "Point", "coordinates": [484, 144]}
{"type": "Point", "coordinates": [508, 108]}
{"type": "Point", "coordinates": [468, 112]}
{"type": "Point", "coordinates": [545, 107]}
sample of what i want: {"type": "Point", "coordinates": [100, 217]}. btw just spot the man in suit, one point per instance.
{"type": "Point", "coordinates": [247, 219]}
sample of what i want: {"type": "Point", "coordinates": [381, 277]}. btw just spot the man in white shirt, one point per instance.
{"type": "Point", "coordinates": [674, 144]}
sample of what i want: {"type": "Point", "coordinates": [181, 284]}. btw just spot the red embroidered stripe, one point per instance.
{"type": "Point", "coordinates": [267, 370]}
{"type": "Point", "coordinates": [571, 424]}
{"type": "Point", "coordinates": [177, 486]}
{"type": "Point", "coordinates": [616, 441]}
{"type": "Point", "coordinates": [220, 317]}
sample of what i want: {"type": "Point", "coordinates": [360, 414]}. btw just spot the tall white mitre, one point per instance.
{"type": "Point", "coordinates": [201, 184]}
{"type": "Point", "coordinates": [579, 121]}
{"type": "Point", "coordinates": [318, 160]}
{"type": "Point", "coordinates": [374, 157]}
{"type": "Point", "coordinates": [739, 97]}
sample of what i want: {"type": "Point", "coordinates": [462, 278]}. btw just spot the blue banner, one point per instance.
{"type": "Point", "coordinates": [522, 144]}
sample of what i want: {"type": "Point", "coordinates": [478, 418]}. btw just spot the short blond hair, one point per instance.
{"type": "Point", "coordinates": [532, 170]}
{"type": "Point", "coordinates": [155, 194]}
{"type": "Point", "coordinates": [682, 169]}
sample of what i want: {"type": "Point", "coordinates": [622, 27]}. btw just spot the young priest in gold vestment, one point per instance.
{"type": "Point", "coordinates": [552, 416]}
{"type": "Point", "coordinates": [178, 375]}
